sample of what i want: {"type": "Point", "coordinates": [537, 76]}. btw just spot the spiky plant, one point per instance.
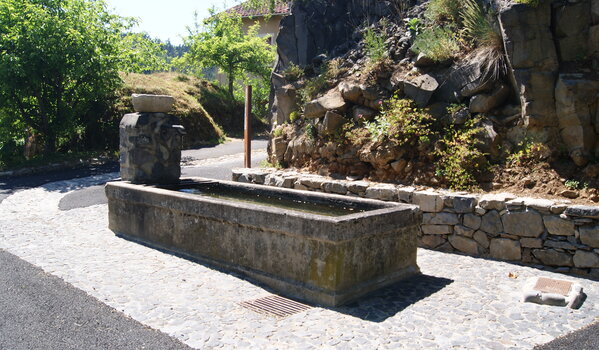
{"type": "Point", "coordinates": [480, 29]}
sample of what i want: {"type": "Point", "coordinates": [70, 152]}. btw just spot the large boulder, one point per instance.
{"type": "Point", "coordinates": [484, 103]}
{"type": "Point", "coordinates": [332, 101]}
{"type": "Point", "coordinates": [465, 80]}
{"type": "Point", "coordinates": [421, 89]}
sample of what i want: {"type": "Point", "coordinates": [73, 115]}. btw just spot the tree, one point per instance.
{"type": "Point", "coordinates": [222, 43]}
{"type": "Point", "coordinates": [59, 58]}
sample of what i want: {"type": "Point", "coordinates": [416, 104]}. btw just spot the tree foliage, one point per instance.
{"type": "Point", "coordinates": [223, 43]}
{"type": "Point", "coordinates": [60, 59]}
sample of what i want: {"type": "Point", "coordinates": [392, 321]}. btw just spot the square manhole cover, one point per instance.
{"type": "Point", "coordinates": [274, 305]}
{"type": "Point", "coordinates": [549, 291]}
{"type": "Point", "coordinates": [549, 285]}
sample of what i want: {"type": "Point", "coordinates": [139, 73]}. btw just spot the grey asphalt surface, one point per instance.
{"type": "Point", "coordinates": [583, 339]}
{"type": "Point", "coordinates": [40, 311]}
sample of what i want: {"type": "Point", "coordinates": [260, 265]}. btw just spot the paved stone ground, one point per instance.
{"type": "Point", "coordinates": [458, 302]}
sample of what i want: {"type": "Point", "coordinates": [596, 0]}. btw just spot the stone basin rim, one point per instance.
{"type": "Point", "coordinates": [385, 207]}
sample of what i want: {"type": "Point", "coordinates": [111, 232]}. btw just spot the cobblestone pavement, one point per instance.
{"type": "Point", "coordinates": [459, 302]}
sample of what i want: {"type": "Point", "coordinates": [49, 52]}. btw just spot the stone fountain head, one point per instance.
{"type": "Point", "coordinates": [150, 141]}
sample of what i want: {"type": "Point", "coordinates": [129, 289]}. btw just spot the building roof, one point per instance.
{"type": "Point", "coordinates": [281, 8]}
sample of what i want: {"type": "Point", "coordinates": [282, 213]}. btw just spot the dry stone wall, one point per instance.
{"type": "Point", "coordinates": [502, 226]}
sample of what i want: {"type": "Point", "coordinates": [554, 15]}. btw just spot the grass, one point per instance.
{"type": "Point", "coordinates": [478, 25]}
{"type": "Point", "coordinates": [439, 44]}
{"type": "Point", "coordinates": [443, 10]}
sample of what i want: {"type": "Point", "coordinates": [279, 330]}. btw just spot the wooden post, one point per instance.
{"type": "Point", "coordinates": [247, 128]}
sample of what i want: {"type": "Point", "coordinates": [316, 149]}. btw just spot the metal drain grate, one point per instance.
{"type": "Point", "coordinates": [274, 305]}
{"type": "Point", "coordinates": [549, 285]}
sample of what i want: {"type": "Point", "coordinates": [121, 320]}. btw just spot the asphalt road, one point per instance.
{"type": "Point", "coordinates": [221, 171]}
{"type": "Point", "coordinates": [95, 194]}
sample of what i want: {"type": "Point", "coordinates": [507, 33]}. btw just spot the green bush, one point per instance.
{"type": "Point", "coordinates": [438, 44]}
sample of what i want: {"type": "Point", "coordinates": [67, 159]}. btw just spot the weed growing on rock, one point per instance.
{"type": "Point", "coordinates": [330, 70]}
{"type": "Point", "coordinates": [310, 130]}
{"type": "Point", "coordinates": [528, 152]}
{"type": "Point", "coordinates": [532, 3]}
{"type": "Point", "coordinates": [478, 25]}
{"type": "Point", "coordinates": [374, 45]}
{"type": "Point", "coordinates": [293, 72]}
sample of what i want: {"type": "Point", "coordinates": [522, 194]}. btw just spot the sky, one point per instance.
{"type": "Point", "coordinates": [166, 19]}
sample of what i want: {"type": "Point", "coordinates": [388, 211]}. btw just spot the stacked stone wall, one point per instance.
{"type": "Point", "coordinates": [531, 231]}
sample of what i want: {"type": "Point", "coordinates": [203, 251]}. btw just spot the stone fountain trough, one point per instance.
{"type": "Point", "coordinates": [322, 248]}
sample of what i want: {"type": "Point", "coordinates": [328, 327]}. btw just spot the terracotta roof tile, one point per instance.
{"type": "Point", "coordinates": [281, 8]}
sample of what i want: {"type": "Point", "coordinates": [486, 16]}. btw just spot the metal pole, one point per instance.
{"type": "Point", "coordinates": [247, 134]}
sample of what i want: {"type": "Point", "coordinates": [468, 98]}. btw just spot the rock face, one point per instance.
{"type": "Point", "coordinates": [286, 103]}
{"type": "Point", "coordinates": [576, 104]}
{"type": "Point", "coordinates": [533, 60]}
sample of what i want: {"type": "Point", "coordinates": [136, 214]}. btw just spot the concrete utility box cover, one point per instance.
{"type": "Point", "coordinates": [549, 291]}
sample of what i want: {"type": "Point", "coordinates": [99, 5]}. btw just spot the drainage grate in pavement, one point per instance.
{"type": "Point", "coordinates": [549, 285]}
{"type": "Point", "coordinates": [274, 305]}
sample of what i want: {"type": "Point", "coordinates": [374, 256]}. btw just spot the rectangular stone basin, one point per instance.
{"type": "Point", "coordinates": [329, 251]}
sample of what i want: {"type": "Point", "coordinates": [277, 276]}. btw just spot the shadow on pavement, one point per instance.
{"type": "Point", "coordinates": [387, 302]}
{"type": "Point", "coordinates": [374, 307]}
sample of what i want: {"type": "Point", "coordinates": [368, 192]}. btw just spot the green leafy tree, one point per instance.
{"type": "Point", "coordinates": [58, 60]}
{"type": "Point", "coordinates": [223, 43]}
{"type": "Point", "coordinates": [141, 54]}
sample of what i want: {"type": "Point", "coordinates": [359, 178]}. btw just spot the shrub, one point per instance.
{"type": "Point", "coordinates": [278, 131]}
{"type": "Point", "coordinates": [438, 44]}
{"type": "Point", "coordinates": [310, 130]}
{"type": "Point", "coordinates": [312, 87]}
{"type": "Point", "coordinates": [402, 123]}
{"type": "Point", "coordinates": [460, 160]}
{"type": "Point", "coordinates": [293, 116]}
